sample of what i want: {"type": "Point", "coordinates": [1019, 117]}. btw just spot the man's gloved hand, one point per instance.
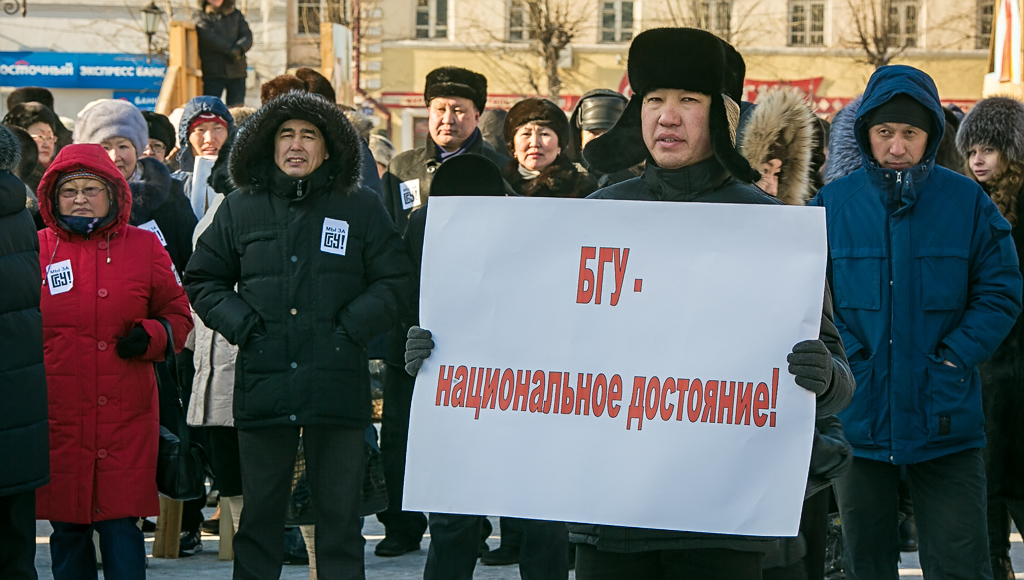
{"type": "Point", "coordinates": [417, 348]}
{"type": "Point", "coordinates": [134, 344]}
{"type": "Point", "coordinates": [811, 364]}
{"type": "Point", "coordinates": [236, 53]}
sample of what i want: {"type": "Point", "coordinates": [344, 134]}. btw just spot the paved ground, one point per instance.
{"type": "Point", "coordinates": [206, 566]}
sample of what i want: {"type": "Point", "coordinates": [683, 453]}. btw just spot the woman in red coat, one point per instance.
{"type": "Point", "coordinates": [105, 285]}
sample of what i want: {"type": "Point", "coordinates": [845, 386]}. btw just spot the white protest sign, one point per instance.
{"type": "Point", "coordinates": [616, 362]}
{"type": "Point", "coordinates": [59, 277]}
{"type": "Point", "coordinates": [410, 191]}
{"type": "Point", "coordinates": [151, 226]}
{"type": "Point", "coordinates": [334, 236]}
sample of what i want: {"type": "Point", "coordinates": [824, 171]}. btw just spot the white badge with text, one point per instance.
{"type": "Point", "coordinates": [151, 226]}
{"type": "Point", "coordinates": [59, 277]}
{"type": "Point", "coordinates": [410, 193]}
{"type": "Point", "coordinates": [334, 237]}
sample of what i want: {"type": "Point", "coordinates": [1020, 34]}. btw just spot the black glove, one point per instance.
{"type": "Point", "coordinates": [417, 348]}
{"type": "Point", "coordinates": [236, 53]}
{"type": "Point", "coordinates": [811, 364]}
{"type": "Point", "coordinates": [134, 344]}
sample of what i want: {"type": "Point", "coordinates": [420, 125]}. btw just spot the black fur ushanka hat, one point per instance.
{"type": "Point", "coordinates": [678, 58]}
{"type": "Point", "coordinates": [997, 122]}
{"type": "Point", "coordinates": [452, 81]}
{"type": "Point", "coordinates": [539, 111]}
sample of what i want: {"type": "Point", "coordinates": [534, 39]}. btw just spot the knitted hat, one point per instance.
{"type": "Point", "coordinates": [79, 174]}
{"type": "Point", "coordinates": [30, 95]}
{"type": "Point", "coordinates": [112, 118]}
{"type": "Point", "coordinates": [997, 122]}
{"type": "Point", "coordinates": [159, 128]}
{"type": "Point", "coordinates": [208, 118]}
{"type": "Point", "coordinates": [541, 112]}
{"type": "Point", "coordinates": [452, 81]}
{"type": "Point", "coordinates": [902, 108]}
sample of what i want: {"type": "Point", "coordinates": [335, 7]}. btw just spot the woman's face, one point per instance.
{"type": "Point", "coordinates": [84, 197]}
{"type": "Point", "coordinates": [536, 146]}
{"type": "Point", "coordinates": [45, 140]}
{"type": "Point", "coordinates": [985, 162]}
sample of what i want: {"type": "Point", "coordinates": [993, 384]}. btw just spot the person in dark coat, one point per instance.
{"type": "Point", "coordinates": [24, 440]}
{"type": "Point", "coordinates": [537, 132]}
{"type": "Point", "coordinates": [26, 170]}
{"type": "Point", "coordinates": [204, 127]}
{"type": "Point", "coordinates": [40, 122]}
{"type": "Point", "coordinates": [44, 97]}
{"type": "Point", "coordinates": [596, 113]}
{"type": "Point", "coordinates": [492, 129]}
{"type": "Point", "coordinates": [991, 139]}
{"type": "Point", "coordinates": [320, 270]}
{"type": "Point", "coordinates": [953, 294]}
{"type": "Point", "coordinates": [224, 38]}
{"type": "Point", "coordinates": [161, 137]}
{"type": "Point", "coordinates": [705, 167]}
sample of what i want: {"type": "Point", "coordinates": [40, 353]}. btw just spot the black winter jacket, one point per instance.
{"type": "Point", "coordinates": [221, 31]}
{"type": "Point", "coordinates": [161, 199]}
{"type": "Point", "coordinates": [308, 299]}
{"type": "Point", "coordinates": [420, 165]}
{"type": "Point", "coordinates": [707, 182]}
{"type": "Point", "coordinates": [24, 428]}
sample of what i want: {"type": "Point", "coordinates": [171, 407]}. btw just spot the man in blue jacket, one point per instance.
{"type": "Point", "coordinates": [926, 285]}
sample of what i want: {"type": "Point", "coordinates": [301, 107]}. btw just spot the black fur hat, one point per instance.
{"type": "Point", "coordinates": [678, 58]}
{"type": "Point", "coordinates": [10, 150]}
{"type": "Point", "coordinates": [27, 114]}
{"type": "Point", "coordinates": [317, 83]}
{"type": "Point", "coordinates": [30, 95]}
{"type": "Point", "coordinates": [539, 111]}
{"type": "Point", "coordinates": [452, 81]}
{"type": "Point", "coordinates": [995, 121]}
{"type": "Point", "coordinates": [29, 152]}
{"type": "Point", "coordinates": [160, 128]}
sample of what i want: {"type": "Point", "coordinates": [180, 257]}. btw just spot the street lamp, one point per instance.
{"type": "Point", "coordinates": [150, 20]}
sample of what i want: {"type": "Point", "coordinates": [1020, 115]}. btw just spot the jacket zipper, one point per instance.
{"type": "Point", "coordinates": [892, 315]}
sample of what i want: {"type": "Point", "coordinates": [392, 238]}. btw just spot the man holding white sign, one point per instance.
{"type": "Point", "coordinates": [681, 119]}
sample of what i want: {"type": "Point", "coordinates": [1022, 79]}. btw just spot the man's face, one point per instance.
{"type": "Point", "coordinates": [299, 148]}
{"type": "Point", "coordinates": [588, 136]}
{"type": "Point", "coordinates": [451, 120]}
{"type": "Point", "coordinates": [769, 182]}
{"type": "Point", "coordinates": [156, 149]}
{"type": "Point", "coordinates": [675, 127]}
{"type": "Point", "coordinates": [897, 146]}
{"type": "Point", "coordinates": [122, 153]}
{"type": "Point", "coordinates": [207, 138]}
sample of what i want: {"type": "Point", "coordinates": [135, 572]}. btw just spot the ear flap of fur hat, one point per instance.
{"type": "Point", "coordinates": [280, 85]}
{"type": "Point", "coordinates": [622, 146]}
{"type": "Point", "coordinates": [723, 120]}
{"type": "Point", "coordinates": [995, 121]}
{"type": "Point", "coordinates": [452, 81]}
{"type": "Point", "coordinates": [539, 111]}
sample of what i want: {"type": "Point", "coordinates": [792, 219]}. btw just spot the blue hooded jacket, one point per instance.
{"type": "Point", "coordinates": [923, 270]}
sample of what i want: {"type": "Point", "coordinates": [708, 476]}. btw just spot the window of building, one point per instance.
{"type": "Point", "coordinates": [616, 21]}
{"type": "Point", "coordinates": [312, 12]}
{"type": "Point", "coordinates": [715, 16]}
{"type": "Point", "coordinates": [986, 9]}
{"type": "Point", "coordinates": [518, 21]}
{"type": "Point", "coordinates": [431, 18]}
{"type": "Point", "coordinates": [806, 23]}
{"type": "Point", "coordinates": [903, 15]}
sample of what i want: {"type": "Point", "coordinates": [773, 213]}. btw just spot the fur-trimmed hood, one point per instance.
{"type": "Point", "coordinates": [843, 153]}
{"type": "Point", "coordinates": [151, 191]}
{"type": "Point", "coordinates": [997, 122]}
{"type": "Point", "coordinates": [10, 150]}
{"type": "Point", "coordinates": [92, 158]}
{"type": "Point", "coordinates": [252, 156]}
{"type": "Point", "coordinates": [782, 120]}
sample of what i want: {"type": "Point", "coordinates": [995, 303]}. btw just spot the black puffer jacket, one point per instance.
{"type": "Point", "coordinates": [161, 199]}
{"type": "Point", "coordinates": [221, 31]}
{"type": "Point", "coordinates": [707, 182]}
{"type": "Point", "coordinates": [307, 303]}
{"type": "Point", "coordinates": [24, 435]}
{"type": "Point", "coordinates": [560, 179]}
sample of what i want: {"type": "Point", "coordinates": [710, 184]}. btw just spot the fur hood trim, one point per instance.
{"type": "Point", "coordinates": [151, 191]}
{"type": "Point", "coordinates": [10, 150]}
{"type": "Point", "coordinates": [220, 176]}
{"type": "Point", "coordinates": [783, 118]}
{"type": "Point", "coordinates": [997, 122]}
{"type": "Point", "coordinates": [560, 179]}
{"type": "Point", "coordinates": [252, 156]}
{"type": "Point", "coordinates": [843, 153]}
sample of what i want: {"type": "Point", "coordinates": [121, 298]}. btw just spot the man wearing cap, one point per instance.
{"type": "Point", "coordinates": [927, 285]}
{"type": "Point", "coordinates": [204, 127]}
{"type": "Point", "coordinates": [682, 120]}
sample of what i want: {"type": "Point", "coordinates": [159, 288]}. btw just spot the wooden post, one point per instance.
{"type": "Point", "coordinates": [182, 81]}
{"type": "Point", "coordinates": [168, 529]}
{"type": "Point", "coordinates": [225, 548]}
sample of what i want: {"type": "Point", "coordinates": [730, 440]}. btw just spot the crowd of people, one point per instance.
{"type": "Point", "coordinates": [278, 249]}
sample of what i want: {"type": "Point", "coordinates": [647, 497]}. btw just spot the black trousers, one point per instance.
{"type": "Point", "coordinates": [214, 87]}
{"type": "Point", "coordinates": [702, 564]}
{"type": "Point", "coordinates": [455, 545]}
{"type": "Point", "coordinates": [18, 536]}
{"type": "Point", "coordinates": [334, 464]}
{"type": "Point", "coordinates": [394, 442]}
{"type": "Point", "coordinates": [223, 452]}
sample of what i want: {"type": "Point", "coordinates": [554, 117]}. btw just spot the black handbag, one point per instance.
{"type": "Point", "coordinates": [181, 465]}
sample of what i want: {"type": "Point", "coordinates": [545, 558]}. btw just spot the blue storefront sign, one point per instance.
{"type": "Point", "coordinates": [81, 70]}
{"type": "Point", "coordinates": [144, 100]}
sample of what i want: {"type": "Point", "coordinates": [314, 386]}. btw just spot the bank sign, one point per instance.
{"type": "Point", "coordinates": [80, 70]}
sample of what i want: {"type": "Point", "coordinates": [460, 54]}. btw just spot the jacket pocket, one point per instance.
{"type": "Point", "coordinates": [857, 277]}
{"type": "Point", "coordinates": [262, 355]}
{"type": "Point", "coordinates": [859, 417]}
{"type": "Point", "coordinates": [943, 277]}
{"type": "Point", "coordinates": [955, 398]}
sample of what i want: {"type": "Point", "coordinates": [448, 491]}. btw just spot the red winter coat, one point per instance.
{"type": "Point", "coordinates": [104, 418]}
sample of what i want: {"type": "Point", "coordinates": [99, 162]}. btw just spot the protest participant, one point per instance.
{"type": "Point", "coordinates": [107, 284]}
{"type": "Point", "coordinates": [492, 129]}
{"type": "Point", "coordinates": [23, 420]}
{"type": "Point", "coordinates": [160, 145]}
{"type": "Point", "coordinates": [953, 293]}
{"type": "Point", "coordinates": [224, 38]}
{"type": "Point", "coordinates": [43, 97]}
{"type": "Point", "coordinates": [301, 361]}
{"type": "Point", "coordinates": [536, 131]}
{"type": "Point", "coordinates": [596, 113]}
{"type": "Point", "coordinates": [204, 127]}
{"type": "Point", "coordinates": [455, 98]}
{"type": "Point", "coordinates": [40, 122]}
{"type": "Point", "coordinates": [383, 152]}
{"type": "Point", "coordinates": [991, 139]}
